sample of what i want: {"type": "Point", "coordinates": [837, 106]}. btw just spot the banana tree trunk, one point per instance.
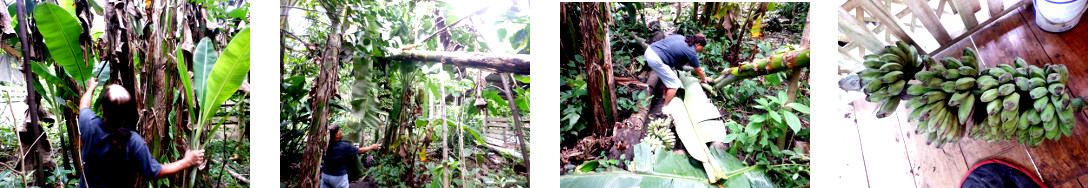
{"type": "Point", "coordinates": [591, 41]}
{"type": "Point", "coordinates": [512, 63]}
{"type": "Point", "coordinates": [759, 67]}
{"type": "Point", "coordinates": [324, 89]}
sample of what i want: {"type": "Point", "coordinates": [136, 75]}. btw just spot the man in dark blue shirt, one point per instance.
{"type": "Point", "coordinates": [113, 154]}
{"type": "Point", "coordinates": [334, 168]}
{"type": "Point", "coordinates": [671, 53]}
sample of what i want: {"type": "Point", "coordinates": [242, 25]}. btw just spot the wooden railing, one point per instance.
{"type": "Point", "coordinates": [853, 21]}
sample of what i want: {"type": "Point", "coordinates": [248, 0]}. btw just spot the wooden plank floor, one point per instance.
{"type": "Point", "coordinates": [891, 154]}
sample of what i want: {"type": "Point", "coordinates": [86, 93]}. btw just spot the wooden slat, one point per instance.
{"type": "Point", "coordinates": [504, 125]}
{"type": "Point", "coordinates": [966, 14]}
{"type": "Point", "coordinates": [984, 24]}
{"type": "Point", "coordinates": [995, 7]}
{"type": "Point", "coordinates": [931, 167]}
{"type": "Point", "coordinates": [886, 160]}
{"type": "Point", "coordinates": [503, 120]}
{"type": "Point", "coordinates": [855, 30]}
{"type": "Point", "coordinates": [842, 163]}
{"type": "Point", "coordinates": [1069, 184]}
{"type": "Point", "coordinates": [940, 8]}
{"type": "Point", "coordinates": [850, 5]}
{"type": "Point", "coordinates": [886, 20]}
{"type": "Point", "coordinates": [1083, 180]}
{"type": "Point", "coordinates": [929, 19]}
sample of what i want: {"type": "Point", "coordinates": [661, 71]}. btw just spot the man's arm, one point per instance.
{"type": "Point", "coordinates": [192, 157]}
{"type": "Point", "coordinates": [368, 148]}
{"type": "Point", "coordinates": [702, 75]}
{"type": "Point", "coordinates": [85, 101]}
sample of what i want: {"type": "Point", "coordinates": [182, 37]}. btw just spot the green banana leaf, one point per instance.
{"type": "Point", "coordinates": [103, 72]}
{"type": "Point", "coordinates": [62, 40]}
{"type": "Point", "coordinates": [664, 168]}
{"type": "Point", "coordinates": [183, 73]}
{"type": "Point", "coordinates": [204, 59]}
{"type": "Point", "coordinates": [50, 79]}
{"type": "Point", "coordinates": [360, 90]}
{"type": "Point", "coordinates": [227, 75]}
{"type": "Point", "coordinates": [696, 124]}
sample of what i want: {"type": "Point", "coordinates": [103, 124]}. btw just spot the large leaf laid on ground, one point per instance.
{"type": "Point", "coordinates": [696, 124]}
{"type": "Point", "coordinates": [204, 58]}
{"type": "Point", "coordinates": [664, 168]}
{"type": "Point", "coordinates": [227, 75]}
{"type": "Point", "coordinates": [61, 37]}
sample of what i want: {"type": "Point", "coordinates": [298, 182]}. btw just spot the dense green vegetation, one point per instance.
{"type": "Point", "coordinates": [187, 62]}
{"type": "Point", "coordinates": [370, 68]}
{"type": "Point", "coordinates": [762, 119]}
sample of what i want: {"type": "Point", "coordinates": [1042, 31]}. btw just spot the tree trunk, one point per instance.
{"type": "Point", "coordinates": [596, 50]}
{"type": "Point", "coordinates": [32, 138]}
{"type": "Point", "coordinates": [775, 63]}
{"type": "Point", "coordinates": [324, 89]}
{"type": "Point", "coordinates": [512, 63]}
{"type": "Point", "coordinates": [517, 121]}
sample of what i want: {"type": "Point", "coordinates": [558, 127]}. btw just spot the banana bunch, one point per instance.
{"type": "Point", "coordinates": [658, 133]}
{"type": "Point", "coordinates": [887, 73]}
{"type": "Point", "coordinates": [944, 100]}
{"type": "Point", "coordinates": [1047, 110]}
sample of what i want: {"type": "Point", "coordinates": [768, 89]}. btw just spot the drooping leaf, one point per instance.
{"type": "Point", "coordinates": [62, 40]}
{"type": "Point", "coordinates": [183, 73]}
{"type": "Point", "coordinates": [204, 58]}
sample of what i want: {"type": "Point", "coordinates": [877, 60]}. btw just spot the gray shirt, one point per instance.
{"type": "Point", "coordinates": [675, 52]}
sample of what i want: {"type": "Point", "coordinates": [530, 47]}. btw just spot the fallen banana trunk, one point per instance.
{"type": "Point", "coordinates": [511, 63]}
{"type": "Point", "coordinates": [778, 62]}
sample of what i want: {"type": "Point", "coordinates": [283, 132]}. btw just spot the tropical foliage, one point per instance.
{"type": "Point", "coordinates": [374, 69]}
{"type": "Point", "coordinates": [745, 120]}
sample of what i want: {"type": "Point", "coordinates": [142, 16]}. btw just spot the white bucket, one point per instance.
{"type": "Point", "coordinates": [1057, 16]}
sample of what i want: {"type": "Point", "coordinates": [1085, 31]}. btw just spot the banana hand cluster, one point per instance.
{"type": "Point", "coordinates": [944, 101]}
{"type": "Point", "coordinates": [886, 78]}
{"type": "Point", "coordinates": [1027, 102]}
{"type": "Point", "coordinates": [659, 134]}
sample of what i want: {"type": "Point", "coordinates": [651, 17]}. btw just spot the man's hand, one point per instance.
{"type": "Point", "coordinates": [194, 157]}
{"type": "Point", "coordinates": [85, 100]}
{"type": "Point", "coordinates": [373, 146]}
{"type": "Point", "coordinates": [92, 83]}
{"type": "Point", "coordinates": [705, 80]}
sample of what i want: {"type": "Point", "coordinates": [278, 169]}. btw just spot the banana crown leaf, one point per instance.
{"type": "Point", "coordinates": [204, 58]}
{"type": "Point", "coordinates": [360, 89]}
{"type": "Point", "coordinates": [663, 168]}
{"type": "Point", "coordinates": [62, 40]}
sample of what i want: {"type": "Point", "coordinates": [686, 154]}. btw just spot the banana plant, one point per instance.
{"type": "Point", "coordinates": [664, 168]}
{"type": "Point", "coordinates": [697, 123]}
{"type": "Point", "coordinates": [62, 40]}
{"type": "Point", "coordinates": [216, 79]}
